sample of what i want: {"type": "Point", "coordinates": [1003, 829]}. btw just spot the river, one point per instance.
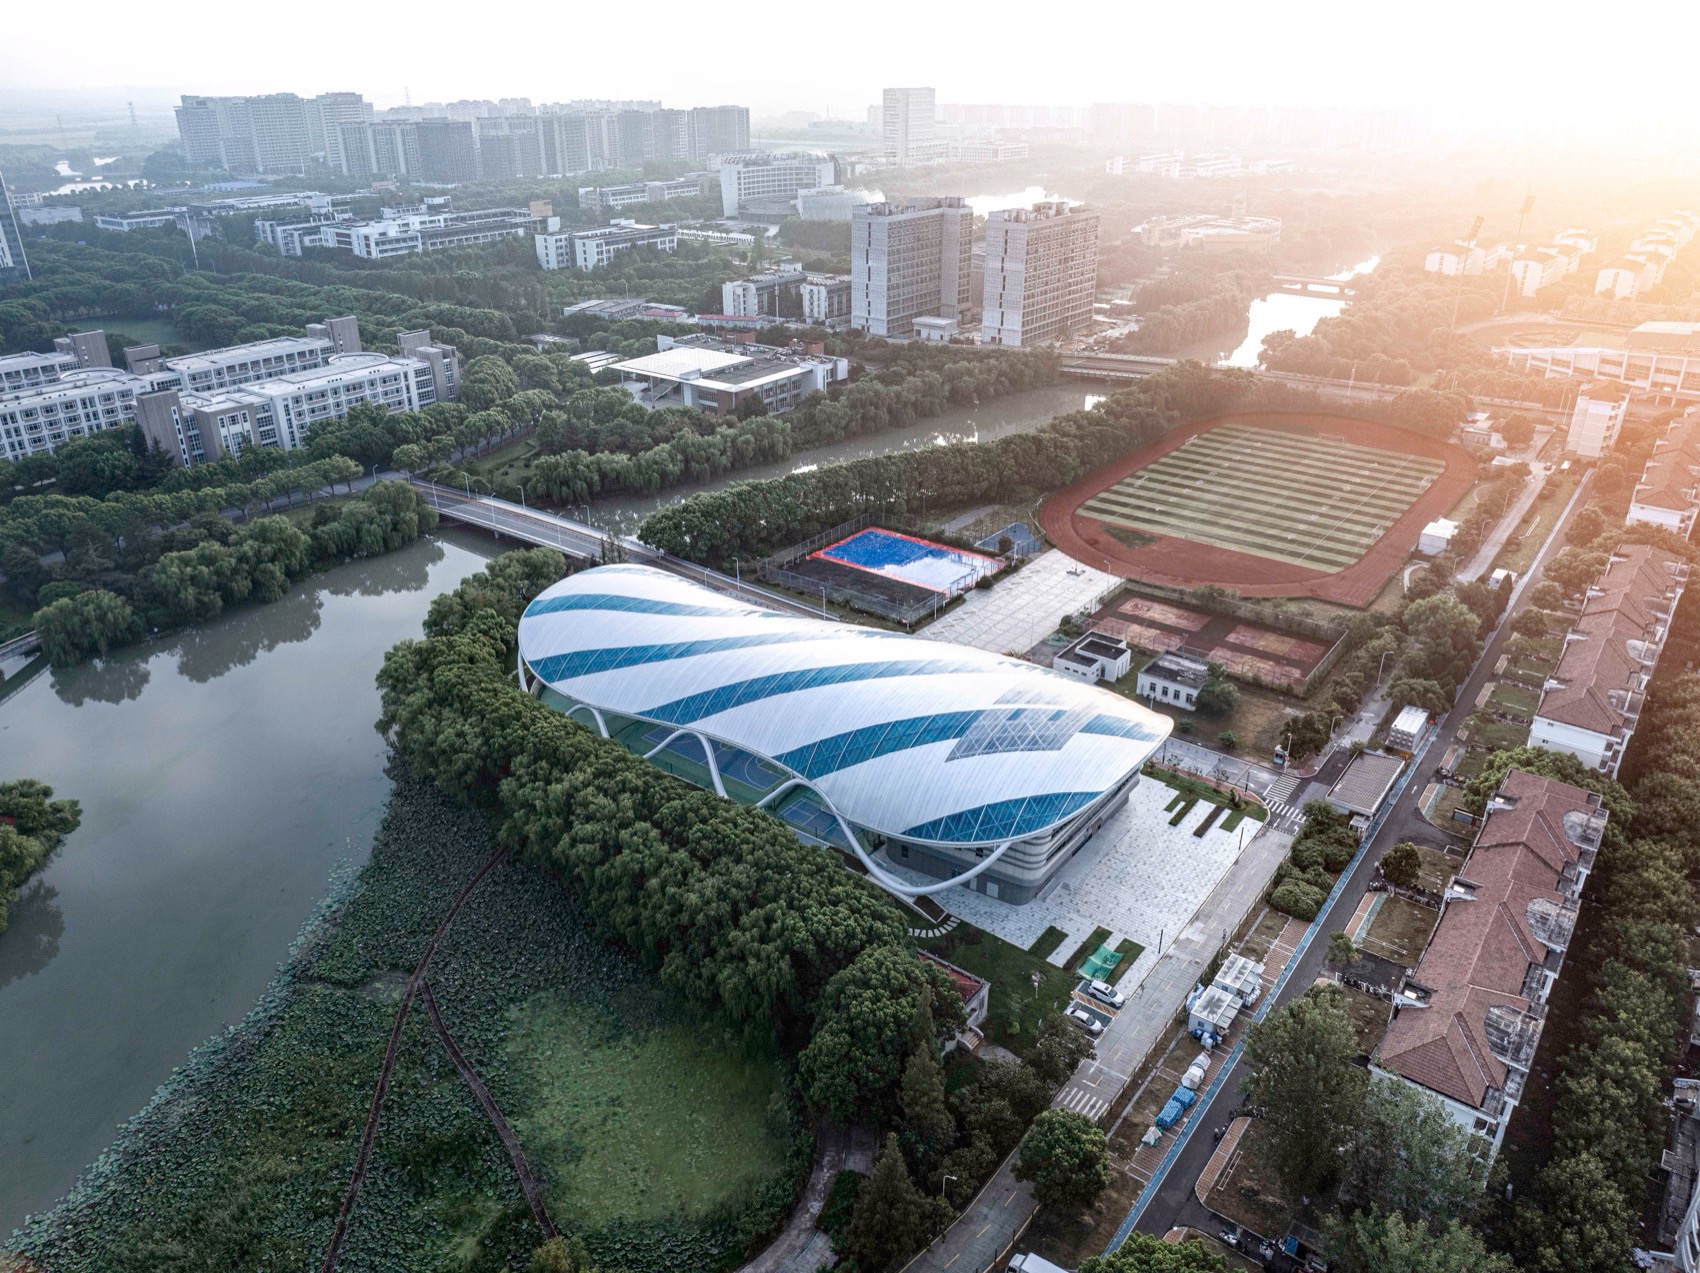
{"type": "Point", "coordinates": [1270, 314]}
{"type": "Point", "coordinates": [222, 774]}
{"type": "Point", "coordinates": [1017, 413]}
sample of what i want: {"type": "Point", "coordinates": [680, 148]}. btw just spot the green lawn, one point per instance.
{"type": "Point", "coordinates": [1048, 942]}
{"type": "Point", "coordinates": [631, 1114]}
{"type": "Point", "coordinates": [1016, 1008]}
{"type": "Point", "coordinates": [1513, 700]}
{"type": "Point", "coordinates": [1496, 735]}
{"type": "Point", "coordinates": [1192, 791]}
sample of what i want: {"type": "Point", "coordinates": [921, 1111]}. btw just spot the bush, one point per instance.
{"type": "Point", "coordinates": [1228, 740]}
{"type": "Point", "coordinates": [1296, 898]}
{"type": "Point", "coordinates": [839, 1206]}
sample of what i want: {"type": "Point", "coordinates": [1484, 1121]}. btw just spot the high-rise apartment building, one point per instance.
{"type": "Point", "coordinates": [1121, 122]}
{"type": "Point", "coordinates": [264, 134]}
{"type": "Point", "coordinates": [13, 262]}
{"type": "Point", "coordinates": [1041, 274]}
{"type": "Point", "coordinates": [326, 114]}
{"type": "Point", "coordinates": [718, 130]}
{"type": "Point", "coordinates": [909, 261]}
{"type": "Point", "coordinates": [435, 151]}
{"type": "Point", "coordinates": [909, 118]}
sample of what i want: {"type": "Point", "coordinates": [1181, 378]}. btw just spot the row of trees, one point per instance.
{"type": "Point", "coordinates": [1184, 309]}
{"type": "Point", "coordinates": [751, 519]}
{"type": "Point", "coordinates": [214, 564]}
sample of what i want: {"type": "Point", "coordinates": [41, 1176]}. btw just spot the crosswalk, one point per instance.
{"type": "Point", "coordinates": [1081, 1101]}
{"type": "Point", "coordinates": [1279, 797]}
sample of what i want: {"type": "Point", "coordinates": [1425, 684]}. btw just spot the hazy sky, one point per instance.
{"type": "Point", "coordinates": [1501, 59]}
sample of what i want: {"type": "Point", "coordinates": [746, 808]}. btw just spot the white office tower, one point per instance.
{"type": "Point", "coordinates": [909, 261]}
{"type": "Point", "coordinates": [910, 122]}
{"type": "Point", "coordinates": [1041, 274]}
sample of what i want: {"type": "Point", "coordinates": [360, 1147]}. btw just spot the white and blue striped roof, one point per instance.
{"type": "Point", "coordinates": [912, 738]}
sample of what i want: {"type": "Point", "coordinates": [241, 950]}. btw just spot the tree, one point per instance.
{"type": "Point", "coordinates": [1341, 951]}
{"type": "Point", "coordinates": [1444, 637]}
{"type": "Point", "coordinates": [928, 1127]}
{"type": "Point", "coordinates": [1409, 691]}
{"type": "Point", "coordinates": [73, 629]}
{"type": "Point", "coordinates": [1518, 430]}
{"type": "Point", "coordinates": [1546, 595]}
{"type": "Point", "coordinates": [1065, 1155]}
{"type": "Point", "coordinates": [1218, 695]}
{"type": "Point", "coordinates": [36, 825]}
{"type": "Point", "coordinates": [557, 1255]}
{"type": "Point", "coordinates": [1402, 865]}
{"type": "Point", "coordinates": [893, 1218]}
{"type": "Point", "coordinates": [1144, 1253]}
{"type": "Point", "coordinates": [1584, 1221]}
{"type": "Point", "coordinates": [1409, 1157]}
{"type": "Point", "coordinates": [1372, 1242]}
{"type": "Point", "coordinates": [1307, 1088]}
{"type": "Point", "coordinates": [1534, 624]}
{"type": "Point", "coordinates": [865, 1026]}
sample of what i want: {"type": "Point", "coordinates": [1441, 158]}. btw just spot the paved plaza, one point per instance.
{"type": "Point", "coordinates": [1138, 876]}
{"type": "Point", "coordinates": [1016, 614]}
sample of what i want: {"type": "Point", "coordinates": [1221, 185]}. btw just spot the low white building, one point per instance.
{"type": "Point", "coordinates": [1173, 680]}
{"type": "Point", "coordinates": [153, 219]}
{"type": "Point", "coordinates": [699, 372]}
{"type": "Point", "coordinates": [1596, 419]}
{"type": "Point", "coordinates": [759, 178]}
{"type": "Point", "coordinates": [1094, 657]}
{"type": "Point", "coordinates": [1465, 258]}
{"type": "Point", "coordinates": [1407, 728]}
{"type": "Point", "coordinates": [1436, 537]}
{"type": "Point", "coordinates": [1658, 359]}
{"type": "Point", "coordinates": [935, 329]}
{"type": "Point", "coordinates": [592, 249]}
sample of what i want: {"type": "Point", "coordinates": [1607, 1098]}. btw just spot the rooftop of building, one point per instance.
{"type": "Point", "coordinates": [276, 347]}
{"type": "Point", "coordinates": [1367, 780]}
{"type": "Point", "coordinates": [1178, 669]}
{"type": "Point", "coordinates": [1510, 909]}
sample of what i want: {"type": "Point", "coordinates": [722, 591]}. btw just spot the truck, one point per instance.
{"type": "Point", "coordinates": [1031, 1263]}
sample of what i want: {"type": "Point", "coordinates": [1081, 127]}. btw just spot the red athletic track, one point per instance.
{"type": "Point", "coordinates": [1184, 563]}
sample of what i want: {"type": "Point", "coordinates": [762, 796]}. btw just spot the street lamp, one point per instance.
{"type": "Point", "coordinates": [944, 1181]}
{"type": "Point", "coordinates": [521, 486]}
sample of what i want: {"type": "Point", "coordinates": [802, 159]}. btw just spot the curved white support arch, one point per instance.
{"type": "Point", "coordinates": [601, 725]}
{"type": "Point", "coordinates": [886, 880]}
{"type": "Point", "coordinates": [707, 751]}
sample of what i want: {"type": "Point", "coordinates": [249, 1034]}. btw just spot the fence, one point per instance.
{"type": "Point", "coordinates": [1216, 601]}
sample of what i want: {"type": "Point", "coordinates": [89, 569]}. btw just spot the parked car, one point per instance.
{"type": "Point", "coordinates": [1104, 992]}
{"type": "Point", "coordinates": [1230, 1237]}
{"type": "Point", "coordinates": [1085, 1020]}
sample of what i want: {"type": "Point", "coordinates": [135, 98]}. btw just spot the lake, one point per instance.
{"type": "Point", "coordinates": [223, 773]}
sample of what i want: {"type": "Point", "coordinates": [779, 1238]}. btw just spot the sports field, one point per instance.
{"type": "Point", "coordinates": [1269, 504]}
{"type": "Point", "coordinates": [1308, 499]}
{"type": "Point", "coordinates": [920, 562]}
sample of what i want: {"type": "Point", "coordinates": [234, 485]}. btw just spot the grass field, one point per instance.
{"type": "Point", "coordinates": [629, 1113]}
{"type": "Point", "coordinates": [159, 331]}
{"type": "Point", "coordinates": [1016, 1008]}
{"type": "Point", "coordinates": [1293, 496]}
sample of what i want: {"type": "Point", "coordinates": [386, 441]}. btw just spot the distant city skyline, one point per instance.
{"type": "Point", "coordinates": [1332, 54]}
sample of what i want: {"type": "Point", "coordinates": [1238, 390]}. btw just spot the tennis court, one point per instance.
{"type": "Point", "coordinates": [1303, 497]}
{"type": "Point", "coordinates": [1023, 542]}
{"type": "Point", "coordinates": [917, 562]}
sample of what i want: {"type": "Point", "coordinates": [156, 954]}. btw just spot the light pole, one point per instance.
{"type": "Point", "coordinates": [944, 1181]}
{"type": "Point", "coordinates": [521, 486]}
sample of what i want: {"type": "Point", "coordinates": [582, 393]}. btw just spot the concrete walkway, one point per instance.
{"type": "Point", "coordinates": [800, 1247]}
{"type": "Point", "coordinates": [1483, 560]}
{"type": "Point", "coordinates": [1003, 1208]}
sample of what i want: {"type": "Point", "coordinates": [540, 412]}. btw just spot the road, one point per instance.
{"type": "Point", "coordinates": [1173, 1202]}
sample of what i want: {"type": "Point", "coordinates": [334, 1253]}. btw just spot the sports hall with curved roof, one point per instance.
{"type": "Point", "coordinates": [955, 762]}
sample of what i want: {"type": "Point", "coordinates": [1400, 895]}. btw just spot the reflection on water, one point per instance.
{"type": "Point", "coordinates": [1018, 413]}
{"type": "Point", "coordinates": [1270, 314]}
{"type": "Point", "coordinates": [32, 937]}
{"type": "Point", "coordinates": [222, 773]}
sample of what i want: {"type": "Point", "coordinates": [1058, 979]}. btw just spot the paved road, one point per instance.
{"type": "Point", "coordinates": [1173, 1202]}
{"type": "Point", "coordinates": [994, 1220]}
{"type": "Point", "coordinates": [1513, 518]}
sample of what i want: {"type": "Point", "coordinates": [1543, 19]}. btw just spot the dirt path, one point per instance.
{"type": "Point", "coordinates": [369, 1136]}
{"type": "Point", "coordinates": [510, 1142]}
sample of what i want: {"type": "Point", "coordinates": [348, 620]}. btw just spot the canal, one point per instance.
{"type": "Point", "coordinates": [1017, 413]}
{"type": "Point", "coordinates": [223, 773]}
{"type": "Point", "coordinates": [1270, 314]}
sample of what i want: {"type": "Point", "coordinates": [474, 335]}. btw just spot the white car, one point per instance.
{"type": "Point", "coordinates": [1085, 1020]}
{"type": "Point", "coordinates": [1104, 992]}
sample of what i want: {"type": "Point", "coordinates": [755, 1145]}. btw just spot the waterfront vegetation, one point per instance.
{"type": "Point", "coordinates": [32, 827]}
{"type": "Point", "coordinates": [663, 1139]}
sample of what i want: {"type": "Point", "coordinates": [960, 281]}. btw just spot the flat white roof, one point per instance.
{"type": "Point", "coordinates": [681, 361]}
